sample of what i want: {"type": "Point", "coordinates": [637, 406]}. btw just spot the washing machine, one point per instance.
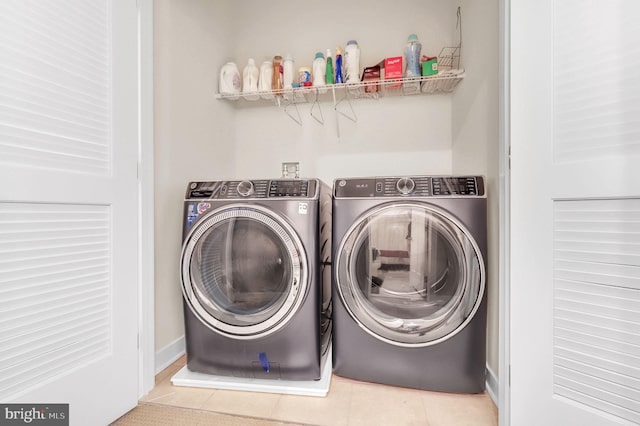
{"type": "Point", "coordinates": [409, 278]}
{"type": "Point", "coordinates": [256, 279]}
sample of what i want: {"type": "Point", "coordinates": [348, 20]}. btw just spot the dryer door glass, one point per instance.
{"type": "Point", "coordinates": [410, 274]}
{"type": "Point", "coordinates": [242, 271]}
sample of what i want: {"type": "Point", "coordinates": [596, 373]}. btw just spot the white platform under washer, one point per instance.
{"type": "Point", "coordinates": [320, 388]}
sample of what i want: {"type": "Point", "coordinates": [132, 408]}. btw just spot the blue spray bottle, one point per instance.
{"type": "Point", "coordinates": [339, 78]}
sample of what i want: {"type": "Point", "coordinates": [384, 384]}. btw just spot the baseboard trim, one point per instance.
{"type": "Point", "coordinates": [169, 354]}
{"type": "Point", "coordinates": [492, 385]}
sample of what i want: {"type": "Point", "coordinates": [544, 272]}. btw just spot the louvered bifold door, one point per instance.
{"type": "Point", "coordinates": [575, 273]}
{"type": "Point", "coordinates": [68, 205]}
{"type": "Point", "coordinates": [597, 304]}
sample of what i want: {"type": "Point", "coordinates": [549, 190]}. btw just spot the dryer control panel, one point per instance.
{"type": "Point", "coordinates": [252, 189]}
{"type": "Point", "coordinates": [410, 186]}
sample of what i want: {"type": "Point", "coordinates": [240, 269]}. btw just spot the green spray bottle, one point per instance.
{"type": "Point", "coordinates": [329, 73]}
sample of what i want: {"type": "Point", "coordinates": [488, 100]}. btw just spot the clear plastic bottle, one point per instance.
{"type": "Point", "coordinates": [352, 62]}
{"type": "Point", "coordinates": [329, 68]}
{"type": "Point", "coordinates": [287, 72]}
{"type": "Point", "coordinates": [276, 82]}
{"type": "Point", "coordinates": [250, 76]}
{"type": "Point", "coordinates": [412, 56]}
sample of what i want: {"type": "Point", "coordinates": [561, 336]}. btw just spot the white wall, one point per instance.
{"type": "Point", "coordinates": [193, 133]}
{"type": "Point", "coordinates": [476, 137]}
{"type": "Point", "coordinates": [389, 138]}
{"type": "Point", "coordinates": [392, 135]}
{"type": "Point", "coordinates": [278, 27]}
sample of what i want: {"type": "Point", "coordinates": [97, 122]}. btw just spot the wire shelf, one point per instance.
{"type": "Point", "coordinates": [444, 82]}
{"type": "Point", "coordinates": [449, 59]}
{"type": "Point", "coordinates": [449, 74]}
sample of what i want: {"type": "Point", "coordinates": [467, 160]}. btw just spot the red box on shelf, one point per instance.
{"type": "Point", "coordinates": [393, 70]}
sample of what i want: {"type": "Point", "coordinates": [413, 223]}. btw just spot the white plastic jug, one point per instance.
{"type": "Point", "coordinates": [318, 73]}
{"type": "Point", "coordinates": [250, 76]}
{"type": "Point", "coordinates": [352, 62]}
{"type": "Point", "coordinates": [287, 72]}
{"type": "Point", "coordinates": [229, 81]}
{"type": "Point", "coordinates": [266, 79]}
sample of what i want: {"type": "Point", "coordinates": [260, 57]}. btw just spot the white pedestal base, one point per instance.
{"type": "Point", "coordinates": [184, 377]}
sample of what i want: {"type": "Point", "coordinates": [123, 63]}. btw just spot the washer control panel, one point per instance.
{"type": "Point", "coordinates": [251, 189]}
{"type": "Point", "coordinates": [456, 186]}
{"type": "Point", "coordinates": [245, 188]}
{"type": "Point", "coordinates": [410, 186]}
{"type": "Point", "coordinates": [289, 188]}
{"type": "Point", "coordinates": [405, 185]}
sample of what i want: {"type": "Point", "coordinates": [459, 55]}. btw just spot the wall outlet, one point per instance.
{"type": "Point", "coordinates": [291, 170]}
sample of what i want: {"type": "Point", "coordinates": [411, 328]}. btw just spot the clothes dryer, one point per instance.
{"type": "Point", "coordinates": [409, 281]}
{"type": "Point", "coordinates": [256, 278]}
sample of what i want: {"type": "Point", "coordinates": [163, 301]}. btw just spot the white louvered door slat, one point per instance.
{"type": "Point", "coordinates": [68, 205]}
{"type": "Point", "coordinates": [575, 212]}
{"type": "Point", "coordinates": [55, 100]}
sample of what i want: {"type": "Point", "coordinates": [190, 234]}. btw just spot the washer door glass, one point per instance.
{"type": "Point", "coordinates": [409, 274]}
{"type": "Point", "coordinates": [242, 271]}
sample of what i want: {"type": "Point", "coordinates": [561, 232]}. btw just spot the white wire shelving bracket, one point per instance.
{"type": "Point", "coordinates": [342, 94]}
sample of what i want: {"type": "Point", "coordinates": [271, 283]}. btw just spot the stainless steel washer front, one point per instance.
{"type": "Point", "coordinates": [410, 279]}
{"type": "Point", "coordinates": [244, 271]}
{"type": "Point", "coordinates": [410, 274]}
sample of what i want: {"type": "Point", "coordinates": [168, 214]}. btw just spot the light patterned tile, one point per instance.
{"type": "Point", "coordinates": [330, 410]}
{"type": "Point", "coordinates": [180, 396]}
{"type": "Point", "coordinates": [445, 409]}
{"type": "Point", "coordinates": [161, 389]}
{"type": "Point", "coordinates": [163, 385]}
{"type": "Point", "coordinates": [373, 404]}
{"type": "Point", "coordinates": [349, 402]}
{"type": "Point", "coordinates": [171, 369]}
{"type": "Point", "coordinates": [252, 404]}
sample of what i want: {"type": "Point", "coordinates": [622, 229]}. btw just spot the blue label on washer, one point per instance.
{"type": "Point", "coordinates": [194, 210]}
{"type": "Point", "coordinates": [192, 214]}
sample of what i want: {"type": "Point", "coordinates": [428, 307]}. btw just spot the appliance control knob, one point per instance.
{"type": "Point", "coordinates": [245, 188]}
{"type": "Point", "coordinates": [405, 185]}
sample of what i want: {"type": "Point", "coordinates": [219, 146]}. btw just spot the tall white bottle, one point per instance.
{"type": "Point", "coordinates": [319, 73]}
{"type": "Point", "coordinates": [250, 77]}
{"type": "Point", "coordinates": [287, 72]}
{"type": "Point", "coordinates": [352, 62]}
{"type": "Point", "coordinates": [266, 80]}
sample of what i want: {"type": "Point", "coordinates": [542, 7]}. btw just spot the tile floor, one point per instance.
{"type": "Point", "coordinates": [349, 402]}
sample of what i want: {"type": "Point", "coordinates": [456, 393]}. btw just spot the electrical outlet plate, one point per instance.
{"type": "Point", "coordinates": [291, 170]}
